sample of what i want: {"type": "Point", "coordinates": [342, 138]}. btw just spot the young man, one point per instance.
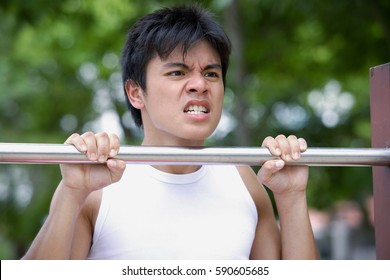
{"type": "Point", "coordinates": [174, 67]}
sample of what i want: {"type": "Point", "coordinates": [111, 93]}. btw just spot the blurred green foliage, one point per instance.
{"type": "Point", "coordinates": [298, 67]}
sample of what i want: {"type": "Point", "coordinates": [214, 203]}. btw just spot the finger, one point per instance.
{"type": "Point", "coordinates": [90, 141]}
{"type": "Point", "coordinates": [114, 145]}
{"type": "Point", "coordinates": [268, 169]}
{"type": "Point", "coordinates": [103, 146]}
{"type": "Point", "coordinates": [272, 145]}
{"type": "Point", "coordinates": [116, 167]}
{"type": "Point", "coordinates": [302, 144]}
{"type": "Point", "coordinates": [294, 147]}
{"type": "Point", "coordinates": [76, 140]}
{"type": "Point", "coordinates": [285, 147]}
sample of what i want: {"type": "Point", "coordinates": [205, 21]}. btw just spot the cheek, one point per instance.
{"type": "Point", "coordinates": [219, 99]}
{"type": "Point", "coordinates": [162, 107]}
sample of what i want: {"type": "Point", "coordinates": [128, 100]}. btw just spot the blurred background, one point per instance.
{"type": "Point", "coordinates": [298, 67]}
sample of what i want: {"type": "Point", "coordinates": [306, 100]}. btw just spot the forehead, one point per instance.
{"type": "Point", "coordinates": [200, 52]}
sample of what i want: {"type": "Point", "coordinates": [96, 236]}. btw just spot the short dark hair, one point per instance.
{"type": "Point", "coordinates": [159, 33]}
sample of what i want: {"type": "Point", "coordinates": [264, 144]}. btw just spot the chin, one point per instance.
{"type": "Point", "coordinates": [197, 137]}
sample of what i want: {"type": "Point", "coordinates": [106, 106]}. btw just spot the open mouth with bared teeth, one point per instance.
{"type": "Point", "coordinates": [196, 110]}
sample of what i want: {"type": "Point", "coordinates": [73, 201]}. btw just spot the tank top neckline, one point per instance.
{"type": "Point", "coordinates": [177, 179]}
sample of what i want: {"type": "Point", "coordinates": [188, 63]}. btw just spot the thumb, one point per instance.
{"type": "Point", "coordinates": [268, 169]}
{"type": "Point", "coordinates": [116, 167]}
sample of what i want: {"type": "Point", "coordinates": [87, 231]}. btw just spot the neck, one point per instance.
{"type": "Point", "coordinates": [175, 169]}
{"type": "Point", "coordinates": [172, 142]}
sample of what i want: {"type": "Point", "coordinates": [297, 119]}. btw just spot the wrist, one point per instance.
{"type": "Point", "coordinates": [74, 196]}
{"type": "Point", "coordinates": [289, 200]}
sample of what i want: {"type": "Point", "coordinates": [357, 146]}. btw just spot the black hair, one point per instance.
{"type": "Point", "coordinates": [159, 33]}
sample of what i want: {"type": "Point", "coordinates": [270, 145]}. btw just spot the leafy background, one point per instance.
{"type": "Point", "coordinates": [297, 67]}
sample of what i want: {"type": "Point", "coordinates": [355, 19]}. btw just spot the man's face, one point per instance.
{"type": "Point", "coordinates": [184, 96]}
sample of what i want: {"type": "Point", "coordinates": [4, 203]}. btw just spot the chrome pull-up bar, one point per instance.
{"type": "Point", "coordinates": [61, 153]}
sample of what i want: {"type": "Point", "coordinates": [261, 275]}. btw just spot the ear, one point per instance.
{"type": "Point", "coordinates": [134, 93]}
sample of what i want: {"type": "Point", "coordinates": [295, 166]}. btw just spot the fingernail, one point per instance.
{"type": "Point", "coordinates": [296, 156]}
{"type": "Point", "coordinates": [112, 163]}
{"type": "Point", "coordinates": [102, 159]}
{"type": "Point", "coordinates": [112, 152]}
{"type": "Point", "coordinates": [93, 156]}
{"type": "Point", "coordinates": [279, 163]}
{"type": "Point", "coordinates": [287, 157]}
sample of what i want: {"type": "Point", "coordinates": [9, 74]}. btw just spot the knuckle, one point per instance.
{"type": "Point", "coordinates": [88, 134]}
{"type": "Point", "coordinates": [102, 134]}
{"type": "Point", "coordinates": [302, 140]}
{"type": "Point", "coordinates": [267, 166]}
{"type": "Point", "coordinates": [114, 137]}
{"type": "Point", "coordinates": [292, 137]}
{"type": "Point", "coordinates": [74, 135]}
{"type": "Point", "coordinates": [72, 138]}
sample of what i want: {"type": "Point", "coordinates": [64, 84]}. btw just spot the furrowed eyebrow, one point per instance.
{"type": "Point", "coordinates": [213, 66]}
{"type": "Point", "coordinates": [176, 64]}
{"type": "Point", "coordinates": [185, 66]}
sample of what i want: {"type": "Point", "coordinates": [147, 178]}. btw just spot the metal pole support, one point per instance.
{"type": "Point", "coordinates": [380, 126]}
{"type": "Point", "coordinates": [60, 153]}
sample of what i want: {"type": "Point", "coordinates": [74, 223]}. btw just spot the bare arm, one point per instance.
{"type": "Point", "coordinates": [288, 184]}
{"type": "Point", "coordinates": [68, 213]}
{"type": "Point", "coordinates": [266, 245]}
{"type": "Point", "coordinates": [54, 240]}
{"type": "Point", "coordinates": [296, 233]}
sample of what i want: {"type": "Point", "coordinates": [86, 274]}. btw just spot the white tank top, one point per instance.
{"type": "Point", "coordinates": [150, 214]}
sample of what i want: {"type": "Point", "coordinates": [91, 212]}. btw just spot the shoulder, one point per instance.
{"type": "Point", "coordinates": [258, 193]}
{"type": "Point", "coordinates": [266, 244]}
{"type": "Point", "coordinates": [255, 189]}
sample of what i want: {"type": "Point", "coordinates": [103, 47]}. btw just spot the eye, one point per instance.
{"type": "Point", "coordinates": [211, 75]}
{"type": "Point", "coordinates": [176, 73]}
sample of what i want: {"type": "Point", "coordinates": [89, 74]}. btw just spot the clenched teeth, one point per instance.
{"type": "Point", "coordinates": [195, 109]}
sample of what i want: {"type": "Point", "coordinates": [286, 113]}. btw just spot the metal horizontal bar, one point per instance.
{"type": "Point", "coordinates": [18, 153]}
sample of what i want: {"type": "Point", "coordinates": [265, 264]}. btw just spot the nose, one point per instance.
{"type": "Point", "coordinates": [197, 84]}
